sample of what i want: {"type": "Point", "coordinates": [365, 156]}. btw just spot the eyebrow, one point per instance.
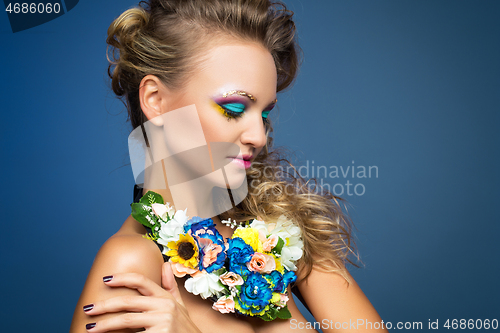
{"type": "Point", "coordinates": [244, 93]}
{"type": "Point", "coordinates": [239, 92]}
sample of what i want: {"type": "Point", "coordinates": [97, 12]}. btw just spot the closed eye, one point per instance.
{"type": "Point", "coordinates": [233, 110]}
{"type": "Point", "coordinates": [230, 110]}
{"type": "Point", "coordinates": [236, 110]}
{"type": "Point", "coordinates": [265, 113]}
{"type": "Point", "coordinates": [234, 107]}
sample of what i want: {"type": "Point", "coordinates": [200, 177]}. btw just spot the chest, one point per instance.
{"type": "Point", "coordinates": [209, 320]}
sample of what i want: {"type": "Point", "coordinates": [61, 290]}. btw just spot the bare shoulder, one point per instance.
{"type": "Point", "coordinates": [129, 253]}
{"type": "Point", "coordinates": [124, 252]}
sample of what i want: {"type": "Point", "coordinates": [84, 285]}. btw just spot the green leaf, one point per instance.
{"type": "Point", "coordinates": [277, 249]}
{"type": "Point", "coordinates": [266, 317]}
{"type": "Point", "coordinates": [284, 313]}
{"type": "Point", "coordinates": [150, 198]}
{"type": "Point", "coordinates": [270, 314]}
{"type": "Point", "coordinates": [139, 213]}
{"type": "Point", "coordinates": [220, 271]}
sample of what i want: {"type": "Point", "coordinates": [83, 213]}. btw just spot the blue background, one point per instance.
{"type": "Point", "coordinates": [411, 87]}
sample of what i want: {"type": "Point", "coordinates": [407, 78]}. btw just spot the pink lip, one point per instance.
{"type": "Point", "coordinates": [244, 161]}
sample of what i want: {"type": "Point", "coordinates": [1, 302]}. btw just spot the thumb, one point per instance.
{"type": "Point", "coordinates": [168, 282]}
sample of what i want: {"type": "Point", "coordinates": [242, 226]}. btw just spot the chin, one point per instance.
{"type": "Point", "coordinates": [235, 175]}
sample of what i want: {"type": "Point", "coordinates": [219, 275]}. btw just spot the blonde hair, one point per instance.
{"type": "Point", "coordinates": [276, 188]}
{"type": "Point", "coordinates": [166, 38]}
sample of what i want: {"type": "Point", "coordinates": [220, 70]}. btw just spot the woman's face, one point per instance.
{"type": "Point", "coordinates": [233, 92]}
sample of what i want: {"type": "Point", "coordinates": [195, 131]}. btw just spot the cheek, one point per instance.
{"type": "Point", "coordinates": [215, 126]}
{"type": "Point", "coordinates": [213, 129]}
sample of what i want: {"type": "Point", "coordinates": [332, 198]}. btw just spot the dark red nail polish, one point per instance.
{"type": "Point", "coordinates": [90, 326]}
{"type": "Point", "coordinates": [107, 278]}
{"type": "Point", "coordinates": [88, 307]}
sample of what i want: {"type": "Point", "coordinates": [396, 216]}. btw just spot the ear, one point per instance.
{"type": "Point", "coordinates": [153, 96]}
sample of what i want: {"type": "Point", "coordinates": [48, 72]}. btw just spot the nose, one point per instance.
{"type": "Point", "coordinates": [254, 133]}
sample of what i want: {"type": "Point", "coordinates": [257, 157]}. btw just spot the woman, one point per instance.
{"type": "Point", "coordinates": [223, 63]}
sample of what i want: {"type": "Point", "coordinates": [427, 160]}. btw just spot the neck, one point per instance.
{"type": "Point", "coordinates": [224, 230]}
{"type": "Point", "coordinates": [198, 196]}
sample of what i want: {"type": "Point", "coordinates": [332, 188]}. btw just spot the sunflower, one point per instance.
{"type": "Point", "coordinates": [184, 251]}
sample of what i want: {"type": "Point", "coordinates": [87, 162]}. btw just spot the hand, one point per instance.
{"type": "Point", "coordinates": [157, 310]}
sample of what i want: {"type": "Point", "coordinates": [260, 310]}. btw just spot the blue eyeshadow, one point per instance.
{"type": "Point", "coordinates": [234, 107]}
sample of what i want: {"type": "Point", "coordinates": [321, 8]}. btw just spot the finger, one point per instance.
{"type": "Point", "coordinates": [136, 281]}
{"type": "Point", "coordinates": [130, 320]}
{"type": "Point", "coordinates": [168, 282]}
{"type": "Point", "coordinates": [129, 303]}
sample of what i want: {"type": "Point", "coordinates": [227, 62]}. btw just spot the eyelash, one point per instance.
{"type": "Point", "coordinates": [231, 114]}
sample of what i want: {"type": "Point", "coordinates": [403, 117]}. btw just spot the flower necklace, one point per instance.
{"type": "Point", "coordinates": [247, 274]}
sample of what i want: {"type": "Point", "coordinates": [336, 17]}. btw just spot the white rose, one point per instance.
{"type": "Point", "coordinates": [181, 216]}
{"type": "Point", "coordinates": [290, 233]}
{"type": "Point", "coordinates": [171, 230]}
{"type": "Point", "coordinates": [160, 210]}
{"type": "Point", "coordinates": [290, 254]}
{"type": "Point", "coordinates": [259, 225]}
{"type": "Point", "coordinates": [204, 285]}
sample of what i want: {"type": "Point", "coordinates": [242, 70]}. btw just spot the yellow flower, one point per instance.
{"type": "Point", "coordinates": [184, 251]}
{"type": "Point", "coordinates": [279, 266]}
{"type": "Point", "coordinates": [248, 312]}
{"type": "Point", "coordinates": [279, 299]}
{"type": "Point", "coordinates": [251, 237]}
{"type": "Point", "coordinates": [276, 298]}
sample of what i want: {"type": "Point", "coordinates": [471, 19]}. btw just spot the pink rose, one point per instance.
{"type": "Point", "coordinates": [270, 243]}
{"type": "Point", "coordinates": [210, 251]}
{"type": "Point", "coordinates": [283, 300]}
{"type": "Point", "coordinates": [225, 304]}
{"type": "Point", "coordinates": [160, 210]}
{"type": "Point", "coordinates": [231, 279]}
{"type": "Point", "coordinates": [180, 270]}
{"type": "Point", "coordinates": [210, 255]}
{"type": "Point", "coordinates": [262, 263]}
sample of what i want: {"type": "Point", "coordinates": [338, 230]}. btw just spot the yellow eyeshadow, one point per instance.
{"type": "Point", "coordinates": [219, 108]}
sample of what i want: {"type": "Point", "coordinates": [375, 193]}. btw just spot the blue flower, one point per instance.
{"type": "Point", "coordinates": [288, 278]}
{"type": "Point", "coordinates": [196, 223]}
{"type": "Point", "coordinates": [280, 281]}
{"type": "Point", "coordinates": [239, 253]}
{"type": "Point", "coordinates": [207, 253]}
{"type": "Point", "coordinates": [210, 242]}
{"type": "Point", "coordinates": [255, 294]}
{"type": "Point", "coordinates": [276, 279]}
